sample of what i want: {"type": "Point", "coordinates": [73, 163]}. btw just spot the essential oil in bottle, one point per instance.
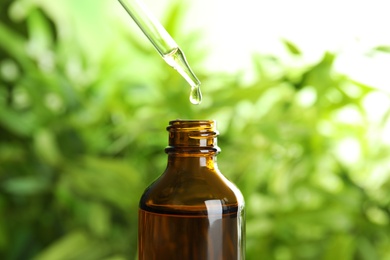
{"type": "Point", "coordinates": [191, 211]}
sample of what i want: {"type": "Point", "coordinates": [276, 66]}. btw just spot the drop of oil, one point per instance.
{"type": "Point", "coordinates": [195, 95]}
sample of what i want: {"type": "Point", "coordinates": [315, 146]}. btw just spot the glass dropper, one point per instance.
{"type": "Point", "coordinates": [164, 44]}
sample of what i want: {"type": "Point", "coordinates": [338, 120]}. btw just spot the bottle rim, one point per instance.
{"type": "Point", "coordinates": [192, 124]}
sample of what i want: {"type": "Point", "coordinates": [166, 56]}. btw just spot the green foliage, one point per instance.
{"type": "Point", "coordinates": [82, 134]}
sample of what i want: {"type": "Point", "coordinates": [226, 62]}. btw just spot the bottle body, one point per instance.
{"type": "Point", "coordinates": [191, 211]}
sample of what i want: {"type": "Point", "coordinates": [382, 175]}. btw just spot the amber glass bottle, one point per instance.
{"type": "Point", "coordinates": [191, 211]}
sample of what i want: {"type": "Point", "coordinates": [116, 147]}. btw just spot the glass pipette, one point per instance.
{"type": "Point", "coordinates": [164, 44]}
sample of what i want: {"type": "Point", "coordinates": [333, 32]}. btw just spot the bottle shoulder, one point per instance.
{"type": "Point", "coordinates": [194, 191]}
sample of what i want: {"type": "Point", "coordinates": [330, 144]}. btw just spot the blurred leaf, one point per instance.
{"type": "Point", "coordinates": [14, 44]}
{"type": "Point", "coordinates": [46, 147]}
{"type": "Point", "coordinates": [340, 247]}
{"type": "Point", "coordinates": [366, 250]}
{"type": "Point", "coordinates": [11, 153]}
{"type": "Point", "coordinates": [383, 48]}
{"type": "Point", "coordinates": [320, 75]}
{"type": "Point", "coordinates": [103, 175]}
{"type": "Point", "coordinates": [292, 48]}
{"type": "Point", "coordinates": [99, 219]}
{"type": "Point", "coordinates": [40, 31]}
{"type": "Point", "coordinates": [24, 186]}
{"type": "Point", "coordinates": [172, 19]}
{"type": "Point", "coordinates": [20, 124]}
{"type": "Point", "coordinates": [75, 245]}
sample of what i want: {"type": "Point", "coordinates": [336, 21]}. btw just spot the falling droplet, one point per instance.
{"type": "Point", "coordinates": [195, 95]}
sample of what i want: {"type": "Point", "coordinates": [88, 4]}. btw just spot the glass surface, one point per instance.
{"type": "Point", "coordinates": [164, 44]}
{"type": "Point", "coordinates": [191, 211]}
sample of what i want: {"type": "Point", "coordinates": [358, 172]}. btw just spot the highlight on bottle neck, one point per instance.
{"type": "Point", "coordinates": [192, 136]}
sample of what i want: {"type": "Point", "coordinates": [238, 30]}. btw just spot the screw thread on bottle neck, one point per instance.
{"type": "Point", "coordinates": [192, 137]}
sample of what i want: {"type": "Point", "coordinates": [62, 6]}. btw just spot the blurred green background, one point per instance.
{"type": "Point", "coordinates": [84, 102]}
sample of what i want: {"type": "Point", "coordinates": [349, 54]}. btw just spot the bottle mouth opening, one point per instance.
{"type": "Point", "coordinates": [193, 135]}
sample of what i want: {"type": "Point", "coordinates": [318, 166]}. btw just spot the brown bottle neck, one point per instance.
{"type": "Point", "coordinates": [190, 163]}
{"type": "Point", "coordinates": [192, 144]}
